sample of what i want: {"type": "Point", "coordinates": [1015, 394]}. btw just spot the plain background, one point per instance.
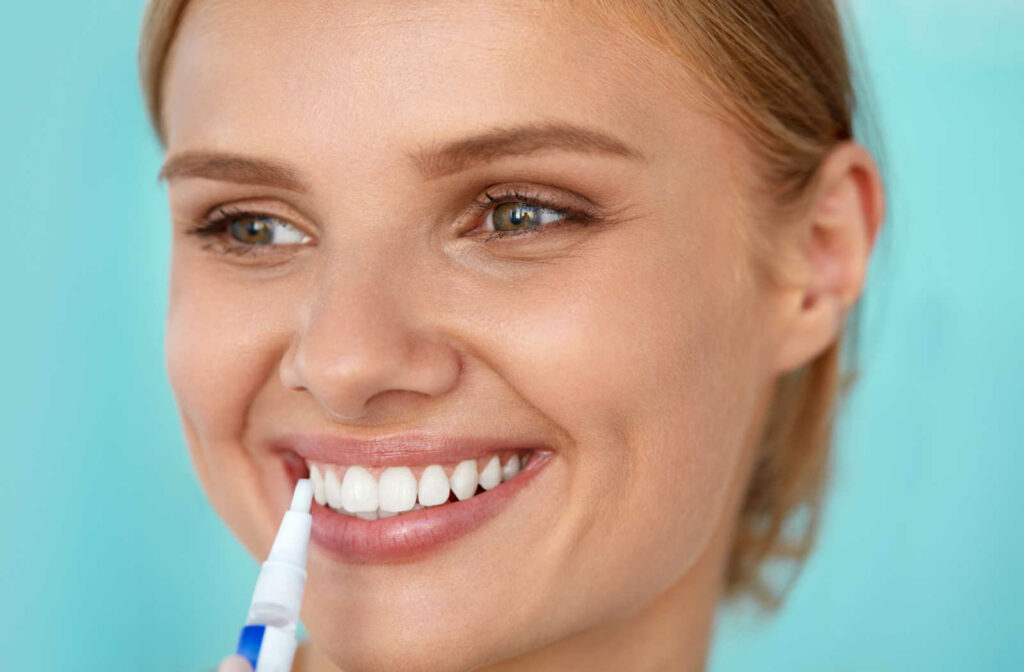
{"type": "Point", "coordinates": [110, 557]}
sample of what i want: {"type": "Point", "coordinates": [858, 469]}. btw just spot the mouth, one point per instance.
{"type": "Point", "coordinates": [398, 500]}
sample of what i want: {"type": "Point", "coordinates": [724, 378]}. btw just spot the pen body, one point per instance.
{"type": "Point", "coordinates": [268, 639]}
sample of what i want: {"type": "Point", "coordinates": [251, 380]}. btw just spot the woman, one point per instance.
{"type": "Point", "coordinates": [548, 299]}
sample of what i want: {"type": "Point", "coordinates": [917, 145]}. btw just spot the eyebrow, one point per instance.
{"type": "Point", "coordinates": [432, 161]}
{"type": "Point", "coordinates": [233, 168]}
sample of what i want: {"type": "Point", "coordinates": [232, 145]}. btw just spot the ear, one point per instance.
{"type": "Point", "coordinates": [830, 250]}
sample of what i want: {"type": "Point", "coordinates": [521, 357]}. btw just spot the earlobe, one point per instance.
{"type": "Point", "coordinates": [834, 241]}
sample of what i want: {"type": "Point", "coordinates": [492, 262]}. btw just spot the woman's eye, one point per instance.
{"type": "Point", "coordinates": [516, 216]}
{"type": "Point", "coordinates": [261, 230]}
{"type": "Point", "coordinates": [248, 233]}
{"type": "Point", "coordinates": [521, 213]}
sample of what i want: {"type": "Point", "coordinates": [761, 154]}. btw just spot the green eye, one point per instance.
{"type": "Point", "coordinates": [515, 216]}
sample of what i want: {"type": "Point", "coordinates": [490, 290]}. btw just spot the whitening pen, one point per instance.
{"type": "Point", "coordinates": [268, 638]}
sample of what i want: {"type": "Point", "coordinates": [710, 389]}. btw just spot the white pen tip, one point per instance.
{"type": "Point", "coordinates": [303, 497]}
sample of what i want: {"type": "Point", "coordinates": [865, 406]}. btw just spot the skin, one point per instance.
{"type": "Point", "coordinates": [642, 350]}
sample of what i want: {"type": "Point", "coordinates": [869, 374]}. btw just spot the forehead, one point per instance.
{"type": "Point", "coordinates": [336, 76]}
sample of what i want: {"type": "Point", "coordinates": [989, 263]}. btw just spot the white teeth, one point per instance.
{"type": "Point", "coordinates": [332, 489]}
{"type": "Point", "coordinates": [491, 474]}
{"type": "Point", "coordinates": [433, 489]}
{"type": "Point", "coordinates": [510, 469]}
{"type": "Point", "coordinates": [359, 490]}
{"type": "Point", "coordinates": [319, 492]}
{"type": "Point", "coordinates": [397, 489]}
{"type": "Point", "coordinates": [358, 493]}
{"type": "Point", "coordinates": [465, 479]}
{"type": "Point", "coordinates": [523, 459]}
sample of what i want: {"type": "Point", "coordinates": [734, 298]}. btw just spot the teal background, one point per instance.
{"type": "Point", "coordinates": [112, 559]}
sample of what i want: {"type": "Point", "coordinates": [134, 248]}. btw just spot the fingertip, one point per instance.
{"type": "Point", "coordinates": [234, 663]}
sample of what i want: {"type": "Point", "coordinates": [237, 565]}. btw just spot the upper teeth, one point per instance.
{"type": "Point", "coordinates": [356, 491]}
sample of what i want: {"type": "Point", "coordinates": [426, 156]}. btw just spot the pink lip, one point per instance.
{"type": "Point", "coordinates": [410, 535]}
{"type": "Point", "coordinates": [408, 449]}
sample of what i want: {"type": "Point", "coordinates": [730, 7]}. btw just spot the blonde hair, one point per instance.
{"type": "Point", "coordinates": [778, 69]}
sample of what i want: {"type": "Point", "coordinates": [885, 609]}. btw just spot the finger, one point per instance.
{"type": "Point", "coordinates": [234, 664]}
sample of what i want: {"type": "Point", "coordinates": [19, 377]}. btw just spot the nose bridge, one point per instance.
{"type": "Point", "coordinates": [361, 334]}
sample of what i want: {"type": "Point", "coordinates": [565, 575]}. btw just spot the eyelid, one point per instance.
{"type": "Point", "coordinates": [568, 202]}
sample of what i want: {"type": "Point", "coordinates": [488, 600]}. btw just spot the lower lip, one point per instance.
{"type": "Point", "coordinates": [411, 535]}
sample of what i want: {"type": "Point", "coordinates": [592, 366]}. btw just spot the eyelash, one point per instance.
{"type": "Point", "coordinates": [217, 227]}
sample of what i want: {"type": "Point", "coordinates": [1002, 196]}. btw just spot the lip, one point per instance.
{"type": "Point", "coordinates": [413, 534]}
{"type": "Point", "coordinates": [407, 449]}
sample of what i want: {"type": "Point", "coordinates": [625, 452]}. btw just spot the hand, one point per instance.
{"type": "Point", "coordinates": [234, 664]}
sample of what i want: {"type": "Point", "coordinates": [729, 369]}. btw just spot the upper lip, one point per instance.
{"type": "Point", "coordinates": [404, 449]}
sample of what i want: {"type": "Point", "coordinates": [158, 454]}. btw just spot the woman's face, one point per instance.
{"type": "Point", "coordinates": [370, 316]}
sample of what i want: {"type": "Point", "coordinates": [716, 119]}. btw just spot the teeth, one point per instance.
{"type": "Point", "coordinates": [359, 490]}
{"type": "Point", "coordinates": [397, 490]}
{"type": "Point", "coordinates": [319, 492]}
{"type": "Point", "coordinates": [332, 488]}
{"type": "Point", "coordinates": [465, 479]}
{"type": "Point", "coordinates": [510, 469]}
{"type": "Point", "coordinates": [433, 486]}
{"type": "Point", "coordinates": [491, 474]}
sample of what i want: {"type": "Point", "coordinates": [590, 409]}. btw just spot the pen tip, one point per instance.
{"type": "Point", "coordinates": [303, 497]}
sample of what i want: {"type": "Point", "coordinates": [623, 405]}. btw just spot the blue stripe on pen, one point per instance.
{"type": "Point", "coordinates": [249, 643]}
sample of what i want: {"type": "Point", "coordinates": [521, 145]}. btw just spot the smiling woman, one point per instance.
{"type": "Point", "coordinates": [547, 299]}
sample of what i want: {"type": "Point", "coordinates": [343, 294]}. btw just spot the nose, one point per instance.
{"type": "Point", "coordinates": [360, 336]}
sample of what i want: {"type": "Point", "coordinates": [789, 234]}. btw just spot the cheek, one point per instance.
{"type": "Point", "coordinates": [643, 353]}
{"type": "Point", "coordinates": [642, 336]}
{"type": "Point", "coordinates": [218, 349]}
{"type": "Point", "coordinates": [221, 342]}
{"type": "Point", "coordinates": [203, 352]}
